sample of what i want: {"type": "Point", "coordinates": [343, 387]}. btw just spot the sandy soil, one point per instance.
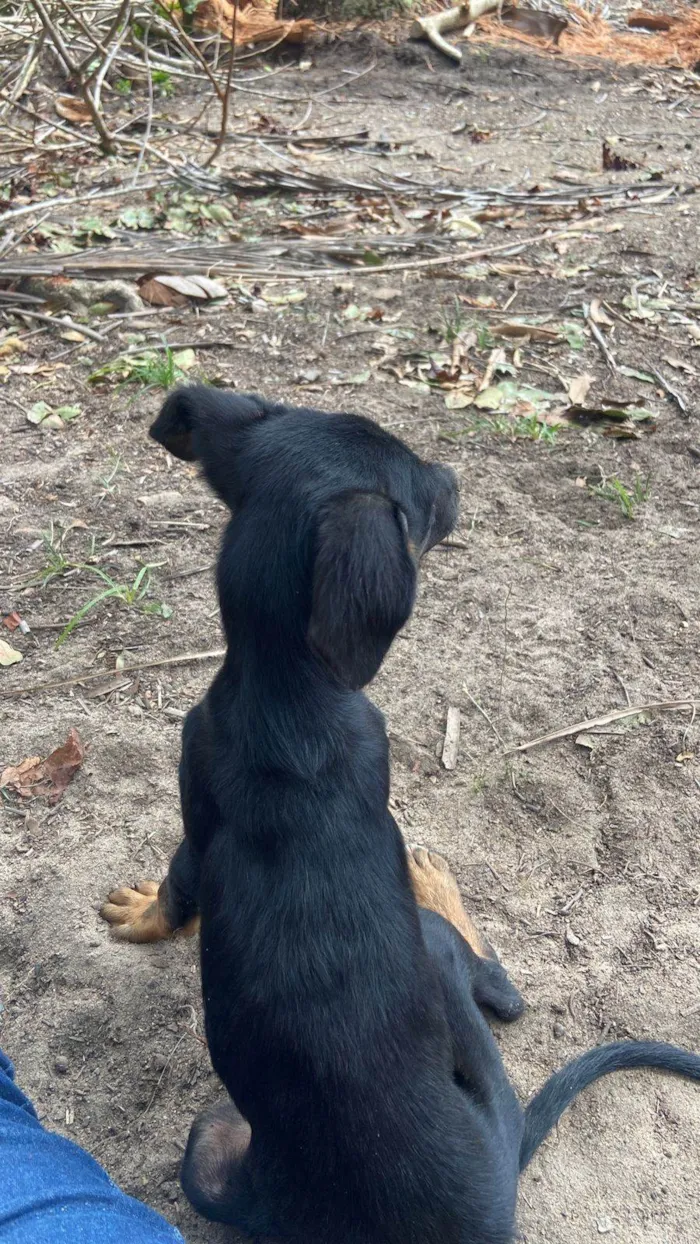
{"type": "Point", "coordinates": [580, 862]}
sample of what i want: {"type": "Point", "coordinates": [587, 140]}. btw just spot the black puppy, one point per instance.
{"type": "Point", "coordinates": [371, 1103]}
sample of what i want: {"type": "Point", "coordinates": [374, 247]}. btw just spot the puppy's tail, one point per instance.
{"type": "Point", "coordinates": [549, 1104]}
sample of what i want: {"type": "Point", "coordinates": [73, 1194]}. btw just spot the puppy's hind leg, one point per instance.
{"type": "Point", "coordinates": [215, 1175]}
{"type": "Point", "coordinates": [436, 890]}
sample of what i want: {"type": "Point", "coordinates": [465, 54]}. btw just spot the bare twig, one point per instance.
{"type": "Point", "coordinates": [63, 322]}
{"type": "Point", "coordinates": [149, 119]}
{"type": "Point", "coordinates": [103, 69]}
{"type": "Point", "coordinates": [434, 26]}
{"type": "Point", "coordinates": [484, 714]}
{"type": "Point", "coordinates": [186, 658]}
{"type": "Point", "coordinates": [602, 343]}
{"type": "Point", "coordinates": [671, 392]}
{"type": "Point", "coordinates": [619, 714]}
{"type": "Point", "coordinates": [226, 100]}
{"type": "Point", "coordinates": [74, 71]}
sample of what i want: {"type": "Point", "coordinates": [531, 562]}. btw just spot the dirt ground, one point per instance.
{"type": "Point", "coordinates": [580, 859]}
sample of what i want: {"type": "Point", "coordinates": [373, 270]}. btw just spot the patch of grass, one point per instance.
{"type": "Point", "coordinates": [164, 83]}
{"type": "Point", "coordinates": [56, 563]}
{"type": "Point", "coordinates": [131, 595]}
{"type": "Point", "coordinates": [479, 783]}
{"type": "Point", "coordinates": [628, 499]}
{"type": "Point", "coordinates": [453, 321]}
{"type": "Point", "coordinates": [115, 466]}
{"type": "Point", "coordinates": [507, 427]}
{"type": "Point", "coordinates": [529, 427]}
{"type": "Point", "coordinates": [154, 369]}
{"type": "Point", "coordinates": [123, 86]}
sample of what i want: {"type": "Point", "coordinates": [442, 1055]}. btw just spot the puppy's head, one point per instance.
{"type": "Point", "coordinates": [331, 517]}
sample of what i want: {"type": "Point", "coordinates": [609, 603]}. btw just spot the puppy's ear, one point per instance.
{"type": "Point", "coordinates": [204, 424]}
{"type": "Point", "coordinates": [364, 584]}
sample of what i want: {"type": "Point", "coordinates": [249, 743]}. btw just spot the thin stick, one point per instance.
{"type": "Point", "coordinates": [484, 714]}
{"type": "Point", "coordinates": [179, 345]}
{"type": "Point", "coordinates": [89, 675]}
{"type": "Point", "coordinates": [74, 71]}
{"type": "Point", "coordinates": [633, 710]}
{"type": "Point", "coordinates": [149, 119]}
{"type": "Point", "coordinates": [192, 48]}
{"type": "Point", "coordinates": [69, 200]}
{"type": "Point", "coordinates": [671, 392]}
{"type": "Point", "coordinates": [56, 323]}
{"type": "Point", "coordinates": [602, 343]}
{"type": "Point", "coordinates": [226, 101]}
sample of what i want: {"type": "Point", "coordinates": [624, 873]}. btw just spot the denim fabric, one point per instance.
{"type": "Point", "coordinates": [51, 1190]}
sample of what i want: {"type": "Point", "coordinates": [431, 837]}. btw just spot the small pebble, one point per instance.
{"type": "Point", "coordinates": [605, 1226]}
{"type": "Point", "coordinates": [62, 1065]}
{"type": "Point", "coordinates": [558, 1029]}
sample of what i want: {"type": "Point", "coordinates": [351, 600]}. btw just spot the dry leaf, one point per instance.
{"type": "Point", "coordinates": [597, 314]}
{"type": "Point", "coordinates": [253, 24]}
{"type": "Point", "coordinates": [158, 295]}
{"type": "Point", "coordinates": [520, 332]}
{"type": "Point", "coordinates": [8, 654]}
{"type": "Point", "coordinates": [72, 109]}
{"type": "Point", "coordinates": [535, 23]}
{"type": "Point", "coordinates": [11, 345]}
{"type": "Point", "coordinates": [578, 388]}
{"type": "Point", "coordinates": [36, 777]}
{"type": "Point", "coordinates": [173, 291]}
{"type": "Point", "coordinates": [614, 162]}
{"type": "Point", "coordinates": [642, 20]}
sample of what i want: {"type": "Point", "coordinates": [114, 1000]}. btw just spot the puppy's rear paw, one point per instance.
{"type": "Point", "coordinates": [135, 914]}
{"type": "Point", "coordinates": [436, 889]}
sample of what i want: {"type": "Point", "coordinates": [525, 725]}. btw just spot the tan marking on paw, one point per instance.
{"type": "Point", "coordinates": [135, 914]}
{"type": "Point", "coordinates": [436, 889]}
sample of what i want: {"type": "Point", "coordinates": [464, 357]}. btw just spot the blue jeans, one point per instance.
{"type": "Point", "coordinates": [51, 1190]}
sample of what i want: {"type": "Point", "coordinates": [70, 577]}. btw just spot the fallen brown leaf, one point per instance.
{"type": "Point", "coordinates": [597, 314]}
{"type": "Point", "coordinates": [158, 295]}
{"type": "Point", "coordinates": [535, 23]}
{"type": "Point", "coordinates": [174, 291]}
{"type": "Point", "coordinates": [522, 332]}
{"type": "Point", "coordinates": [614, 162]}
{"type": "Point", "coordinates": [578, 388]}
{"type": "Point", "coordinates": [72, 109]}
{"type": "Point", "coordinates": [48, 778]}
{"type": "Point", "coordinates": [642, 20]}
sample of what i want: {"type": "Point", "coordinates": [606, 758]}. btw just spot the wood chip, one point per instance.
{"type": "Point", "coordinates": [450, 747]}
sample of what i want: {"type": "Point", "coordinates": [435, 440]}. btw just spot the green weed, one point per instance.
{"type": "Point", "coordinates": [131, 595]}
{"type": "Point", "coordinates": [628, 499]}
{"type": "Point", "coordinates": [115, 466]}
{"type": "Point", "coordinates": [154, 369]}
{"type": "Point", "coordinates": [56, 563]}
{"type": "Point", "coordinates": [164, 83]}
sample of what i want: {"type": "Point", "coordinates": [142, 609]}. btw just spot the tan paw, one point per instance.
{"type": "Point", "coordinates": [135, 915]}
{"type": "Point", "coordinates": [436, 889]}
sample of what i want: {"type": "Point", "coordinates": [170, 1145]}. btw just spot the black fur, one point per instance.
{"type": "Point", "coordinates": [344, 1023]}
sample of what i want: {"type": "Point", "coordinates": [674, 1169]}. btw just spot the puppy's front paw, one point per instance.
{"type": "Point", "coordinates": [135, 915]}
